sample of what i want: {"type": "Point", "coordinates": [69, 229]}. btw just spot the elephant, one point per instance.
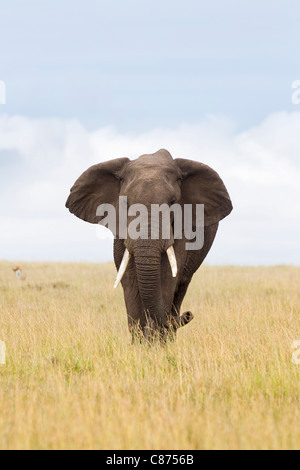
{"type": "Point", "coordinates": [154, 272]}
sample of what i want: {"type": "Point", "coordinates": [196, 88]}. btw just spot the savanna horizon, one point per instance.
{"type": "Point", "coordinates": [73, 379]}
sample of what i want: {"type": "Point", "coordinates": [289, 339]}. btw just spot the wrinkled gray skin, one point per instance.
{"type": "Point", "coordinates": [153, 297]}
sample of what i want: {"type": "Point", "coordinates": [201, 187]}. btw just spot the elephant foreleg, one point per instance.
{"type": "Point", "coordinates": [186, 317]}
{"type": "Point", "coordinates": [193, 260]}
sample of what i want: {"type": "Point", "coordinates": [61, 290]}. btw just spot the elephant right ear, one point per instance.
{"type": "Point", "coordinates": [202, 185]}
{"type": "Point", "coordinates": [100, 184]}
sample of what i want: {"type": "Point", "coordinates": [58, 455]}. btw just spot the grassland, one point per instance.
{"type": "Point", "coordinates": [74, 381]}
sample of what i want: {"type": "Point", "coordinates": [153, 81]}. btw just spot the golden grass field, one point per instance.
{"type": "Point", "coordinates": [74, 381]}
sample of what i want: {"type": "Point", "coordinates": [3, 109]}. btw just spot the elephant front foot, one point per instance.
{"type": "Point", "coordinates": [152, 332]}
{"type": "Point", "coordinates": [155, 332]}
{"type": "Point", "coordinates": [149, 333]}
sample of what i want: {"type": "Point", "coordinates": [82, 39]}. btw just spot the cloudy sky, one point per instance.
{"type": "Point", "coordinates": [94, 80]}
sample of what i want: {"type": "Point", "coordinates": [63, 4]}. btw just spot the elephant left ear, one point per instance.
{"type": "Point", "coordinates": [202, 185]}
{"type": "Point", "coordinates": [100, 184]}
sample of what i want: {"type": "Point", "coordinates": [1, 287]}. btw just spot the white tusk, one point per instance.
{"type": "Point", "coordinates": [172, 260]}
{"type": "Point", "coordinates": [122, 268]}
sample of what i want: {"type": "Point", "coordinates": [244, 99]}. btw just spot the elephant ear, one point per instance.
{"type": "Point", "coordinates": [100, 184]}
{"type": "Point", "coordinates": [202, 185]}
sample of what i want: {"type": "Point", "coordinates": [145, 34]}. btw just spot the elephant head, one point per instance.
{"type": "Point", "coordinates": [155, 272]}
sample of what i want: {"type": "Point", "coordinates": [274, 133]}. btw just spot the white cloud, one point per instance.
{"type": "Point", "coordinates": [260, 167]}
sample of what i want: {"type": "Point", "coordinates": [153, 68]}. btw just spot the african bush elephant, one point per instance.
{"type": "Point", "coordinates": [153, 290]}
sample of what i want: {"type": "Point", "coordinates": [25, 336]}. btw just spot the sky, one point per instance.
{"type": "Point", "coordinates": [94, 80]}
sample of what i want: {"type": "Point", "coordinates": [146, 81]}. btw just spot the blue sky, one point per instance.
{"type": "Point", "coordinates": [87, 81]}
{"type": "Point", "coordinates": [137, 65]}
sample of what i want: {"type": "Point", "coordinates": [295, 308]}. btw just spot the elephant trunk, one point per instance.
{"type": "Point", "coordinates": [147, 257]}
{"type": "Point", "coordinates": [148, 270]}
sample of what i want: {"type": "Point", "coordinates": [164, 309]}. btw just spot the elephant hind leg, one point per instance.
{"type": "Point", "coordinates": [193, 261]}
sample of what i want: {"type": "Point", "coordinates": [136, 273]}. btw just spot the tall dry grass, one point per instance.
{"type": "Point", "coordinates": [74, 381]}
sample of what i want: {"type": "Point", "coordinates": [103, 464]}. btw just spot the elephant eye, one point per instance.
{"type": "Point", "coordinates": [173, 201]}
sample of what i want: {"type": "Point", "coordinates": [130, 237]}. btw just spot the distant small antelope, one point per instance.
{"type": "Point", "coordinates": [19, 275]}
